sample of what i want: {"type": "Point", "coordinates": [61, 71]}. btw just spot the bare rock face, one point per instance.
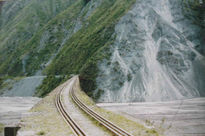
{"type": "Point", "coordinates": [155, 57]}
{"type": "Point", "coordinates": [25, 87]}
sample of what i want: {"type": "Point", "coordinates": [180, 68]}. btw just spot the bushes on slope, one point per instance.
{"type": "Point", "coordinates": [88, 46]}
{"type": "Point", "coordinates": [49, 83]}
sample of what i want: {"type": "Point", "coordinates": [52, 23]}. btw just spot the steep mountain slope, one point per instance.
{"type": "Point", "coordinates": [61, 42]}
{"type": "Point", "coordinates": [20, 21]}
{"type": "Point", "coordinates": [90, 44]}
{"type": "Point", "coordinates": [155, 52]}
{"type": "Point", "coordinates": [124, 50]}
{"type": "Point", "coordinates": [158, 54]}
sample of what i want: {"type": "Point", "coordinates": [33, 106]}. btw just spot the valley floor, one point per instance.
{"type": "Point", "coordinates": [12, 109]}
{"type": "Point", "coordinates": [176, 118]}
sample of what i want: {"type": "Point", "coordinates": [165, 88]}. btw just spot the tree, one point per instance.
{"type": "Point", "coordinates": [86, 1]}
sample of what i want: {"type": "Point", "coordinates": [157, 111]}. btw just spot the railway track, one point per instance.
{"type": "Point", "coordinates": [76, 129]}
{"type": "Point", "coordinates": [74, 126]}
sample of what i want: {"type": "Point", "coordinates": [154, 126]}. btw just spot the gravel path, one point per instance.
{"type": "Point", "coordinates": [80, 117]}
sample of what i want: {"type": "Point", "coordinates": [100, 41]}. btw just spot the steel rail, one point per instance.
{"type": "Point", "coordinates": [73, 125]}
{"type": "Point", "coordinates": [109, 125]}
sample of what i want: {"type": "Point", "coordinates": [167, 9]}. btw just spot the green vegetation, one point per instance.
{"type": "Point", "coordinates": [89, 45]}
{"type": "Point", "coordinates": [38, 57]}
{"type": "Point", "coordinates": [46, 119]}
{"type": "Point", "coordinates": [1, 82]}
{"type": "Point", "coordinates": [195, 11]}
{"type": "Point", "coordinates": [86, 1]}
{"type": "Point", "coordinates": [41, 133]}
{"type": "Point", "coordinates": [6, 82]}
{"type": "Point", "coordinates": [1, 128]}
{"type": "Point", "coordinates": [43, 36]}
{"type": "Point", "coordinates": [19, 26]}
{"type": "Point", "coordinates": [49, 83]}
{"type": "Point", "coordinates": [123, 122]}
{"type": "Point", "coordinates": [4, 85]}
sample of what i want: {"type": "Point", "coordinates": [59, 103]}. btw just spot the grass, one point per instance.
{"type": "Point", "coordinates": [51, 45]}
{"type": "Point", "coordinates": [89, 45]}
{"type": "Point", "coordinates": [16, 79]}
{"type": "Point", "coordinates": [49, 83]}
{"type": "Point", "coordinates": [1, 128]}
{"type": "Point", "coordinates": [45, 119]}
{"type": "Point", "coordinates": [53, 38]}
{"type": "Point", "coordinates": [20, 25]}
{"type": "Point", "coordinates": [41, 133]}
{"type": "Point", "coordinates": [93, 121]}
{"type": "Point", "coordinates": [121, 121]}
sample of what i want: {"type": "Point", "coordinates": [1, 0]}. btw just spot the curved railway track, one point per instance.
{"type": "Point", "coordinates": [74, 126]}
{"type": "Point", "coordinates": [76, 129]}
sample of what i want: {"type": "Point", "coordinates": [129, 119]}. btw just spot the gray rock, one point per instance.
{"type": "Point", "coordinates": [157, 60]}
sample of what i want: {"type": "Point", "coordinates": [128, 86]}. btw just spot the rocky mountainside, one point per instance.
{"type": "Point", "coordinates": [38, 35]}
{"type": "Point", "coordinates": [158, 54]}
{"type": "Point", "coordinates": [123, 50]}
